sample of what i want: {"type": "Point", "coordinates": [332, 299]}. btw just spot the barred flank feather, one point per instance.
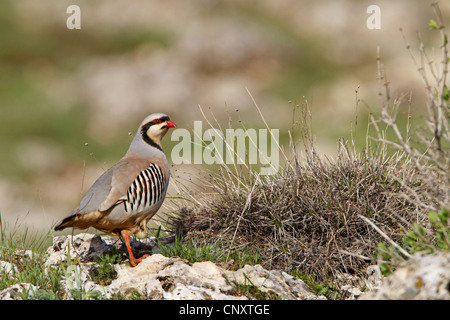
{"type": "Point", "coordinates": [147, 189]}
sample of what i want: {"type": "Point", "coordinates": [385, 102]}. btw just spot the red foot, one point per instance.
{"type": "Point", "coordinates": [133, 261]}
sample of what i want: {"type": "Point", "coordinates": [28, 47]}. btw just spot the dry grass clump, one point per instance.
{"type": "Point", "coordinates": [308, 216]}
{"type": "Point", "coordinates": [323, 216]}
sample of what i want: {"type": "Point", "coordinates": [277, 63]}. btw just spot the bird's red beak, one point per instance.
{"type": "Point", "coordinates": [170, 124]}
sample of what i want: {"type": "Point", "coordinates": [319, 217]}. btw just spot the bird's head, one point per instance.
{"type": "Point", "coordinates": [154, 127]}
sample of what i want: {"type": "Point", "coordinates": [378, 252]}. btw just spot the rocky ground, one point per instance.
{"type": "Point", "coordinates": [172, 278]}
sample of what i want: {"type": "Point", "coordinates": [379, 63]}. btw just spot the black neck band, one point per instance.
{"type": "Point", "coordinates": [146, 138]}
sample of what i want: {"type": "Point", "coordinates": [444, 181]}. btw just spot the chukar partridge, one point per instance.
{"type": "Point", "coordinates": [126, 196]}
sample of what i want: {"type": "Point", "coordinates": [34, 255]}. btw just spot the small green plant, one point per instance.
{"type": "Point", "coordinates": [327, 289]}
{"type": "Point", "coordinates": [418, 239]}
{"type": "Point", "coordinates": [219, 251]}
{"type": "Point", "coordinates": [104, 273]}
{"type": "Point", "coordinates": [193, 251]}
{"type": "Point", "coordinates": [83, 294]}
{"type": "Point", "coordinates": [250, 290]}
{"type": "Point", "coordinates": [76, 288]}
{"type": "Point", "coordinates": [38, 294]}
{"type": "Point", "coordinates": [135, 295]}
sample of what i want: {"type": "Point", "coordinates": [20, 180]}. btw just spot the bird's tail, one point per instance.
{"type": "Point", "coordinates": [67, 222]}
{"type": "Point", "coordinates": [64, 223]}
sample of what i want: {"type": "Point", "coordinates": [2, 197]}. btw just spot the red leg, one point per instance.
{"type": "Point", "coordinates": [126, 238]}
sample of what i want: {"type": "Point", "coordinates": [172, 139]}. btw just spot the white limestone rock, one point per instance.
{"type": "Point", "coordinates": [422, 277]}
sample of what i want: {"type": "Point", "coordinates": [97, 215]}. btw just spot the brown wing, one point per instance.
{"type": "Point", "coordinates": [124, 173]}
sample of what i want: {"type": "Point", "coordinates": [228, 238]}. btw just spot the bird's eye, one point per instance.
{"type": "Point", "coordinates": [156, 121]}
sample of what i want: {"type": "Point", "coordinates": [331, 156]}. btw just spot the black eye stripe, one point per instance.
{"type": "Point", "coordinates": [154, 121]}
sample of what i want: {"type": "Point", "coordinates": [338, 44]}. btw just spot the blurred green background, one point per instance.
{"type": "Point", "coordinates": [71, 98]}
